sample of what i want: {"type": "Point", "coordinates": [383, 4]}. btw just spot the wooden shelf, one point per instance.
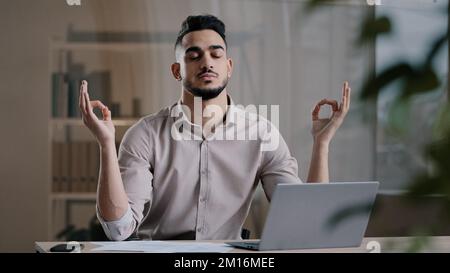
{"type": "Point", "coordinates": [79, 122]}
{"type": "Point", "coordinates": [108, 46]}
{"type": "Point", "coordinates": [73, 196]}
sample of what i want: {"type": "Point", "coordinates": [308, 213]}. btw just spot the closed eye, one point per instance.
{"type": "Point", "coordinates": [217, 54]}
{"type": "Point", "coordinates": [193, 56]}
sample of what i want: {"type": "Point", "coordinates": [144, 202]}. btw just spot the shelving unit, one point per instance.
{"type": "Point", "coordinates": [64, 200]}
{"type": "Point", "coordinates": [67, 130]}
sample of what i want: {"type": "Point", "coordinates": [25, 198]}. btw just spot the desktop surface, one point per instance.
{"type": "Point", "coordinates": [369, 244]}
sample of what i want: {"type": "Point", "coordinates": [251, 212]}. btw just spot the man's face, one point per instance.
{"type": "Point", "coordinates": [202, 63]}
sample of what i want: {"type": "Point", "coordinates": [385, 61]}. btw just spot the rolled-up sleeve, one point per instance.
{"type": "Point", "coordinates": [136, 172]}
{"type": "Point", "coordinates": [120, 229]}
{"type": "Point", "coordinates": [277, 165]}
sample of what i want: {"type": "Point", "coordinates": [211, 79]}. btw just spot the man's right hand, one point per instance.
{"type": "Point", "coordinates": [103, 130]}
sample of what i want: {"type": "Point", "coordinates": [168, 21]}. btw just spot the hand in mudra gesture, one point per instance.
{"type": "Point", "coordinates": [323, 129]}
{"type": "Point", "coordinates": [103, 129]}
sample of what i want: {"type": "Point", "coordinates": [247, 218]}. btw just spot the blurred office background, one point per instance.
{"type": "Point", "coordinates": [284, 54]}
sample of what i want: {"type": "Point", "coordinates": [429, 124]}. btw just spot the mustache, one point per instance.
{"type": "Point", "coordinates": [207, 71]}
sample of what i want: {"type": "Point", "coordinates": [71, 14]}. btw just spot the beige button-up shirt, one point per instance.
{"type": "Point", "coordinates": [182, 185]}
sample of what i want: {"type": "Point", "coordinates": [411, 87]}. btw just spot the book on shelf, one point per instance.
{"type": "Point", "coordinates": [56, 166]}
{"type": "Point", "coordinates": [75, 166]}
{"type": "Point", "coordinates": [65, 86]}
{"type": "Point", "coordinates": [74, 77]}
{"type": "Point", "coordinates": [75, 163]}
{"type": "Point", "coordinates": [59, 95]}
{"type": "Point", "coordinates": [83, 166]}
{"type": "Point", "coordinates": [93, 167]}
{"type": "Point", "coordinates": [65, 173]}
{"type": "Point", "coordinates": [99, 84]}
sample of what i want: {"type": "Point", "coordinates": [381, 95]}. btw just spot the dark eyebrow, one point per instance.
{"type": "Point", "coordinates": [216, 47]}
{"type": "Point", "coordinates": [193, 48]}
{"type": "Point", "coordinates": [198, 49]}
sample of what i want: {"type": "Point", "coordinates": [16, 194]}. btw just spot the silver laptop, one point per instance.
{"type": "Point", "coordinates": [319, 215]}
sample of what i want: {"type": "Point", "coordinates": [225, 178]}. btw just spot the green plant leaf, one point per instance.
{"type": "Point", "coordinates": [314, 4]}
{"type": "Point", "coordinates": [441, 127]}
{"type": "Point", "coordinates": [398, 117]}
{"type": "Point", "coordinates": [420, 81]}
{"type": "Point", "coordinates": [372, 28]}
{"type": "Point", "coordinates": [374, 85]}
{"type": "Point", "coordinates": [434, 50]}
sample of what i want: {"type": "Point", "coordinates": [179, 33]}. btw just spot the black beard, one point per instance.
{"type": "Point", "coordinates": [205, 94]}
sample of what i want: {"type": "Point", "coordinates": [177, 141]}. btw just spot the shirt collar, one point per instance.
{"type": "Point", "coordinates": [231, 115]}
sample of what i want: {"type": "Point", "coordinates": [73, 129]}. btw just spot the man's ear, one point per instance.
{"type": "Point", "coordinates": [176, 71]}
{"type": "Point", "coordinates": [229, 67]}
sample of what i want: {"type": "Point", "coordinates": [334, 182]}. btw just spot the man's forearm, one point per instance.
{"type": "Point", "coordinates": [112, 200]}
{"type": "Point", "coordinates": [318, 168]}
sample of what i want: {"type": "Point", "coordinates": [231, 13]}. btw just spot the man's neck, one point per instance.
{"type": "Point", "coordinates": [218, 105]}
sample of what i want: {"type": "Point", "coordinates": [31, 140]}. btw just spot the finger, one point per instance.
{"type": "Point", "coordinates": [88, 106]}
{"type": "Point", "coordinates": [98, 104]}
{"type": "Point", "coordinates": [103, 108]}
{"type": "Point", "coordinates": [106, 114]}
{"type": "Point", "coordinates": [344, 88]}
{"type": "Point", "coordinates": [81, 100]}
{"type": "Point", "coordinates": [333, 103]}
{"type": "Point", "coordinates": [349, 91]}
{"type": "Point", "coordinates": [344, 95]}
{"type": "Point", "coordinates": [315, 112]}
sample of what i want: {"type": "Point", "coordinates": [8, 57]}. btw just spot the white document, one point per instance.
{"type": "Point", "coordinates": [160, 247]}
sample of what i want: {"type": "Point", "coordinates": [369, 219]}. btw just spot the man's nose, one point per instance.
{"type": "Point", "coordinates": [207, 63]}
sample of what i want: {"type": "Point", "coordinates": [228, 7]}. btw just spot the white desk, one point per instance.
{"type": "Point", "coordinates": [383, 244]}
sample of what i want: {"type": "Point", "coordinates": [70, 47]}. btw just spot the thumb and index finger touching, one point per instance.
{"type": "Point", "coordinates": [344, 104]}
{"type": "Point", "coordinates": [87, 106]}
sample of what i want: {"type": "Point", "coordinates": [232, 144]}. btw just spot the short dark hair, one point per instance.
{"type": "Point", "coordinates": [201, 22]}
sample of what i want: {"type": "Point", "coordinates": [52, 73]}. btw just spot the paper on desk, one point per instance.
{"type": "Point", "coordinates": [160, 246]}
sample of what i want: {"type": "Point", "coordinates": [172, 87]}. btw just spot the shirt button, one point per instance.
{"type": "Point", "coordinates": [199, 229]}
{"type": "Point", "coordinates": [202, 200]}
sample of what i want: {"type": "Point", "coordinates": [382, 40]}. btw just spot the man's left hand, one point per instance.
{"type": "Point", "coordinates": [324, 129]}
